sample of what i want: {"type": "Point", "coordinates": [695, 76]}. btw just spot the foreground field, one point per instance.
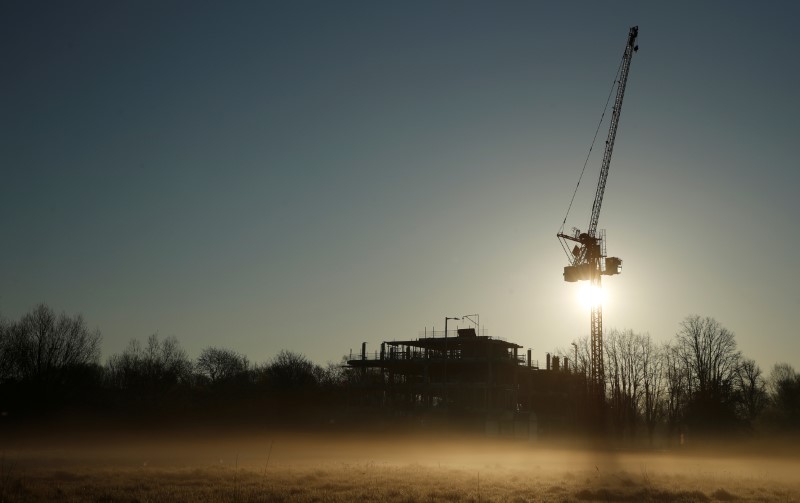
{"type": "Point", "coordinates": [292, 468]}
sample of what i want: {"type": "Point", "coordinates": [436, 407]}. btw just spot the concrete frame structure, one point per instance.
{"type": "Point", "coordinates": [469, 378]}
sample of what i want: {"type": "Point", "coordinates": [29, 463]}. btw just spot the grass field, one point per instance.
{"type": "Point", "coordinates": [262, 468]}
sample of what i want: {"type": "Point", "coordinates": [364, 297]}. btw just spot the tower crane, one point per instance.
{"type": "Point", "coordinates": [588, 260]}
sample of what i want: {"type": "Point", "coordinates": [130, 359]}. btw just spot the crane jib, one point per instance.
{"type": "Point", "coordinates": [630, 48]}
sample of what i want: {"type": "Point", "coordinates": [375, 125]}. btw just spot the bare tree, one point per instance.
{"type": "Point", "coordinates": [153, 369]}
{"type": "Point", "coordinates": [42, 346]}
{"type": "Point", "coordinates": [653, 382]}
{"type": "Point", "coordinates": [579, 355]}
{"type": "Point", "coordinates": [781, 373]}
{"type": "Point", "coordinates": [784, 391]}
{"type": "Point", "coordinates": [708, 351]}
{"type": "Point", "coordinates": [707, 354]}
{"type": "Point", "coordinates": [290, 371]}
{"type": "Point", "coordinates": [677, 386]}
{"type": "Point", "coordinates": [751, 389]}
{"type": "Point", "coordinates": [7, 364]}
{"type": "Point", "coordinates": [625, 373]}
{"type": "Point", "coordinates": [221, 365]}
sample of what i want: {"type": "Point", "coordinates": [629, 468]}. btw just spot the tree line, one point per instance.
{"type": "Point", "coordinates": [697, 383]}
{"type": "Point", "coordinates": [50, 365]}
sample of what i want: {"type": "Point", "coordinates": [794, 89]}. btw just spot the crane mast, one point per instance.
{"type": "Point", "coordinates": [588, 257]}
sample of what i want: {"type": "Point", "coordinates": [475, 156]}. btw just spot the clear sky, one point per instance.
{"type": "Point", "coordinates": [311, 175]}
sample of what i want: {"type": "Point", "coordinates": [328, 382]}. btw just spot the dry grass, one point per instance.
{"type": "Point", "coordinates": [321, 470]}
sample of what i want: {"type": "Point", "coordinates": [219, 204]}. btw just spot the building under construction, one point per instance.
{"type": "Point", "coordinates": [469, 379]}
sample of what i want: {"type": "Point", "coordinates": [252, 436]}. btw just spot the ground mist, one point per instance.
{"type": "Point", "coordinates": [226, 466]}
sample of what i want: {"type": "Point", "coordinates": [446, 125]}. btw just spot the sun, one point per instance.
{"type": "Point", "coordinates": [591, 296]}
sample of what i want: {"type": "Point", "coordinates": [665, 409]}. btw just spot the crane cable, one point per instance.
{"type": "Point", "coordinates": [608, 100]}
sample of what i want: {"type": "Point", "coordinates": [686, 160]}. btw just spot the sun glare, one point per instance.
{"type": "Point", "coordinates": [590, 295]}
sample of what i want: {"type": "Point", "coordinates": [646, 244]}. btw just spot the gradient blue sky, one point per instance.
{"type": "Point", "coordinates": [311, 175]}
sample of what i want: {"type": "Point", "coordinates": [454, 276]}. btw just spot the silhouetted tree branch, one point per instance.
{"type": "Point", "coordinates": [751, 390]}
{"type": "Point", "coordinates": [43, 346]}
{"type": "Point", "coordinates": [784, 397]}
{"type": "Point", "coordinates": [151, 371]}
{"type": "Point", "coordinates": [708, 356]}
{"type": "Point", "coordinates": [221, 365]}
{"type": "Point", "coordinates": [653, 381]}
{"type": "Point", "coordinates": [290, 371]}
